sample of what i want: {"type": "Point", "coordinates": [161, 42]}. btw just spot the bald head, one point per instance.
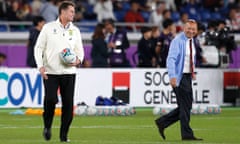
{"type": "Point", "coordinates": [190, 28]}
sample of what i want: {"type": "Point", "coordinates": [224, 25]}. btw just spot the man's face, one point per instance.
{"type": "Point", "coordinates": [41, 24]}
{"type": "Point", "coordinates": [190, 29]}
{"type": "Point", "coordinates": [69, 13]}
{"type": "Point", "coordinates": [172, 28]}
{"type": "Point", "coordinates": [109, 27]}
{"type": "Point", "coordinates": [185, 17]}
{"type": "Point", "coordinates": [148, 34]}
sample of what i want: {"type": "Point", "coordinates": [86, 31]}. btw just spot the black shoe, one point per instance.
{"type": "Point", "coordinates": [160, 129]}
{"type": "Point", "coordinates": [63, 137]}
{"type": "Point", "coordinates": [47, 134]}
{"type": "Point", "coordinates": [192, 139]}
{"type": "Point", "coordinates": [65, 140]}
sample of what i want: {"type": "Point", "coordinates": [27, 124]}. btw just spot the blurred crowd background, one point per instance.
{"type": "Point", "coordinates": [140, 11]}
{"type": "Point", "coordinates": [218, 21]}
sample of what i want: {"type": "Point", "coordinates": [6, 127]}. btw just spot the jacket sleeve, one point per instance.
{"type": "Point", "coordinates": [78, 49]}
{"type": "Point", "coordinates": [39, 47]}
{"type": "Point", "coordinates": [172, 59]}
{"type": "Point", "coordinates": [125, 41]}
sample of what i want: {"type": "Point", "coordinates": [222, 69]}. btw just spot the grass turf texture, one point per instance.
{"type": "Point", "coordinates": [223, 128]}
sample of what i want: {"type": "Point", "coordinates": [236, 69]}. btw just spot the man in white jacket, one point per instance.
{"type": "Point", "coordinates": [54, 37]}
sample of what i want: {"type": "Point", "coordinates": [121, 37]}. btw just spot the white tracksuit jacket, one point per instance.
{"type": "Point", "coordinates": [52, 39]}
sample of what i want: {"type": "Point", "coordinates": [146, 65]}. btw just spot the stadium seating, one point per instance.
{"type": "Point", "coordinates": [3, 28]}
{"type": "Point", "coordinates": [120, 15]}
{"type": "Point", "coordinates": [205, 16]}
{"type": "Point", "coordinates": [175, 16]}
{"type": "Point", "coordinates": [216, 16]}
{"type": "Point", "coordinates": [145, 15]}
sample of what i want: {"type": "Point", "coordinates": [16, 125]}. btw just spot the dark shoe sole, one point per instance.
{"type": "Point", "coordinates": [192, 139]}
{"type": "Point", "coordinates": [65, 141]}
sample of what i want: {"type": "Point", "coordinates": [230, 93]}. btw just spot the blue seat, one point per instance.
{"type": "Point", "coordinates": [216, 16]}
{"type": "Point", "coordinates": [145, 15]}
{"type": "Point", "coordinates": [87, 28]}
{"type": "Point", "coordinates": [175, 16]}
{"type": "Point", "coordinates": [119, 15]}
{"type": "Point", "coordinates": [205, 16]}
{"type": "Point", "coordinates": [195, 17]}
{"type": "Point", "coordinates": [126, 6]}
{"type": "Point", "coordinates": [3, 28]}
{"type": "Point", "coordinates": [89, 8]}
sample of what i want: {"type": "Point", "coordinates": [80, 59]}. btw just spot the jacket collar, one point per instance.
{"type": "Point", "coordinates": [69, 25]}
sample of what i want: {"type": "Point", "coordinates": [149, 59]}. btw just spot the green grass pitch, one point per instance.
{"type": "Point", "coordinates": [222, 128]}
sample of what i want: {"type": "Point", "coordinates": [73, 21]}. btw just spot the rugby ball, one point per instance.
{"type": "Point", "coordinates": [68, 56]}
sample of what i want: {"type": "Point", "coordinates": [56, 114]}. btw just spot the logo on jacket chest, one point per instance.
{"type": "Point", "coordinates": [54, 31]}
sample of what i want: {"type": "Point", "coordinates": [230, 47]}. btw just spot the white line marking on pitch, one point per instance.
{"type": "Point", "coordinates": [85, 127]}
